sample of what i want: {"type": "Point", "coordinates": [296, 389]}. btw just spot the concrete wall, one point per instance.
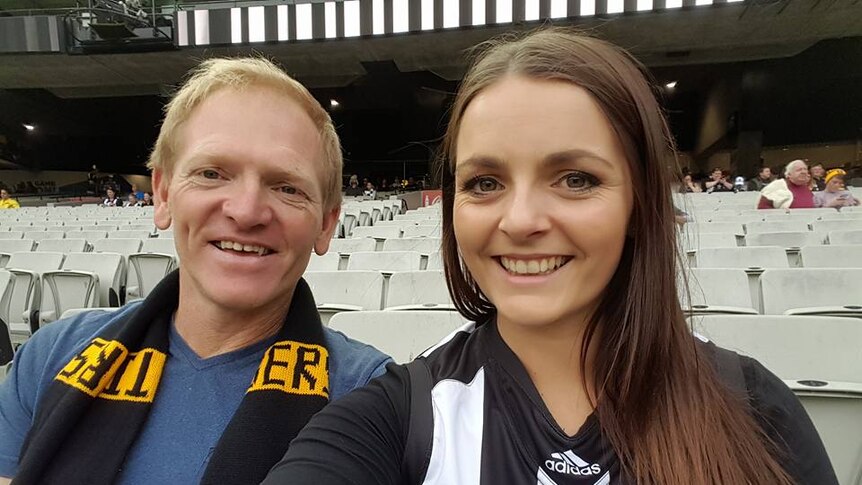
{"type": "Point", "coordinates": [61, 178]}
{"type": "Point", "coordinates": [831, 156]}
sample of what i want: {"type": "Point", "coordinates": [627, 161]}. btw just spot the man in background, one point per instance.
{"type": "Point", "coordinates": [817, 174]}
{"type": "Point", "coordinates": [7, 202]}
{"type": "Point", "coordinates": [764, 177]}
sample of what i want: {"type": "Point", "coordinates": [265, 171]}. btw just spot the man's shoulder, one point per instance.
{"type": "Point", "coordinates": [352, 363]}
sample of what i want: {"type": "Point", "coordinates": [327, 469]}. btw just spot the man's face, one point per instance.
{"type": "Point", "coordinates": [716, 175]}
{"type": "Point", "coordinates": [245, 200]}
{"type": "Point", "coordinates": [799, 175]}
{"type": "Point", "coordinates": [766, 174]}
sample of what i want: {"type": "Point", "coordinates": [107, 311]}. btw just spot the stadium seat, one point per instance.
{"type": "Point", "coordinates": [819, 358]}
{"type": "Point", "coordinates": [818, 291]}
{"type": "Point", "coordinates": [377, 232]}
{"type": "Point", "coordinates": [340, 291]}
{"type": "Point", "coordinates": [4, 235]}
{"type": "Point", "coordinates": [845, 237]}
{"type": "Point", "coordinates": [715, 227]}
{"type": "Point", "coordinates": [716, 290]}
{"type": "Point", "coordinates": [424, 245]}
{"type": "Point", "coordinates": [842, 225]}
{"type": "Point", "coordinates": [402, 335]}
{"type": "Point", "coordinates": [349, 246]}
{"type": "Point", "coordinates": [62, 245]}
{"type": "Point", "coordinates": [14, 246]}
{"type": "Point", "coordinates": [42, 235]}
{"type": "Point", "coordinates": [88, 235]}
{"type": "Point", "coordinates": [139, 227]}
{"type": "Point", "coordinates": [6, 348]}
{"type": "Point", "coordinates": [418, 290]}
{"type": "Point", "coordinates": [85, 280]}
{"type": "Point", "coordinates": [157, 258]}
{"type": "Point", "coordinates": [23, 304]}
{"type": "Point", "coordinates": [130, 234]}
{"type": "Point", "coordinates": [117, 245]}
{"type": "Point", "coordinates": [328, 262]}
{"type": "Point", "coordinates": [782, 226]}
{"type": "Point", "coordinates": [435, 261]}
{"type": "Point", "coordinates": [385, 261]}
{"type": "Point", "coordinates": [833, 256]}
{"type": "Point", "coordinates": [746, 258]}
{"type": "Point", "coordinates": [785, 239]}
{"type": "Point", "coordinates": [695, 241]}
{"type": "Point", "coordinates": [422, 231]}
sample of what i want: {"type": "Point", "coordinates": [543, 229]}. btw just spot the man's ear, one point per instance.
{"type": "Point", "coordinates": [162, 213]}
{"type": "Point", "coordinates": [330, 222]}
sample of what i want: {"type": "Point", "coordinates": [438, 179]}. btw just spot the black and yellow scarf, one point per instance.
{"type": "Point", "coordinates": [93, 411]}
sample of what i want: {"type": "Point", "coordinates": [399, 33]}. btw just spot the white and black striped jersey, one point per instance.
{"type": "Point", "coordinates": [490, 427]}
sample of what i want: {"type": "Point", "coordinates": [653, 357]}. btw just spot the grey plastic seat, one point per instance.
{"type": "Point", "coordinates": [435, 261]}
{"type": "Point", "coordinates": [695, 241]}
{"type": "Point", "coordinates": [832, 256]}
{"type": "Point", "coordinates": [833, 225]}
{"type": "Point", "coordinates": [845, 237]}
{"type": "Point", "coordinates": [754, 258]}
{"type": "Point", "coordinates": [715, 227]}
{"type": "Point", "coordinates": [377, 232]}
{"type": "Point", "coordinates": [157, 258]}
{"type": "Point", "coordinates": [777, 226]}
{"type": "Point", "coordinates": [123, 234]}
{"type": "Point", "coordinates": [63, 245]}
{"type": "Point", "coordinates": [818, 291]}
{"type": "Point", "coordinates": [42, 235]}
{"type": "Point", "coordinates": [23, 304]}
{"type": "Point", "coordinates": [340, 291]}
{"type": "Point", "coordinates": [423, 245]}
{"type": "Point", "coordinates": [14, 246]}
{"type": "Point", "coordinates": [387, 262]}
{"type": "Point", "coordinates": [819, 358]}
{"type": "Point", "coordinates": [4, 235]}
{"type": "Point", "coordinates": [423, 231]}
{"type": "Point", "coordinates": [6, 348]}
{"type": "Point", "coordinates": [328, 262]}
{"type": "Point", "coordinates": [418, 290]}
{"type": "Point", "coordinates": [88, 235]}
{"type": "Point", "coordinates": [785, 239]}
{"type": "Point", "coordinates": [714, 290]}
{"type": "Point", "coordinates": [403, 335]}
{"type": "Point", "coordinates": [353, 245]}
{"type": "Point", "coordinates": [85, 280]}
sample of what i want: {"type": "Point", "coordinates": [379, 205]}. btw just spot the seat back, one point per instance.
{"type": "Point", "coordinates": [25, 298]}
{"type": "Point", "coordinates": [379, 232]}
{"type": "Point", "coordinates": [385, 261]}
{"type": "Point", "coordinates": [693, 242]}
{"type": "Point", "coordinates": [435, 261]}
{"type": "Point", "coordinates": [838, 419]}
{"type": "Point", "coordinates": [422, 231]}
{"type": "Point", "coordinates": [776, 226]}
{"type": "Point", "coordinates": [755, 257]}
{"type": "Point", "coordinates": [62, 245]}
{"type": "Point", "coordinates": [785, 239]}
{"type": "Point", "coordinates": [6, 349]}
{"type": "Point", "coordinates": [804, 288]}
{"type": "Point", "coordinates": [4, 235]}
{"type": "Point", "coordinates": [121, 246]}
{"type": "Point", "coordinates": [832, 256]}
{"type": "Point", "coordinates": [327, 262]}
{"type": "Point", "coordinates": [845, 237]}
{"type": "Point", "coordinates": [42, 235]}
{"type": "Point", "coordinates": [360, 289]}
{"type": "Point", "coordinates": [419, 290]}
{"type": "Point", "coordinates": [126, 234]}
{"type": "Point", "coordinates": [348, 246]}
{"type": "Point", "coordinates": [423, 245]}
{"type": "Point", "coordinates": [717, 290]}
{"type": "Point", "coordinates": [402, 335]}
{"type": "Point", "coordinates": [108, 267]}
{"type": "Point", "coordinates": [88, 235]}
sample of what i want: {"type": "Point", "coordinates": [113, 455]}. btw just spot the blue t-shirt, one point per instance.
{"type": "Point", "coordinates": [195, 401]}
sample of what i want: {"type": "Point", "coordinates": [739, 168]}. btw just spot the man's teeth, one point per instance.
{"type": "Point", "coordinates": [245, 248]}
{"type": "Point", "coordinates": [533, 266]}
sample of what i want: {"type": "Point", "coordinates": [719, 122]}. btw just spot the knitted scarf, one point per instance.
{"type": "Point", "coordinates": [98, 403]}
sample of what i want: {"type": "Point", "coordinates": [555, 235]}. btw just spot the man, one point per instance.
{"type": "Point", "coordinates": [208, 379]}
{"type": "Point", "coordinates": [7, 202]}
{"type": "Point", "coordinates": [717, 182]}
{"type": "Point", "coordinates": [791, 192]}
{"type": "Point", "coordinates": [817, 173]}
{"type": "Point", "coordinates": [764, 178]}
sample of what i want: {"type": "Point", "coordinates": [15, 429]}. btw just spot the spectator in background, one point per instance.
{"type": "Point", "coordinates": [353, 188]}
{"type": "Point", "coordinates": [384, 185]}
{"type": "Point", "coordinates": [717, 182]}
{"type": "Point", "coordinates": [688, 185]}
{"type": "Point", "coordinates": [111, 199]}
{"type": "Point", "coordinates": [138, 194]}
{"type": "Point", "coordinates": [148, 199]}
{"type": "Point", "coordinates": [791, 192]}
{"type": "Point", "coordinates": [369, 190]}
{"type": "Point", "coordinates": [817, 182]}
{"type": "Point", "coordinates": [7, 202]}
{"type": "Point", "coordinates": [764, 178]}
{"type": "Point", "coordinates": [132, 201]}
{"type": "Point", "coordinates": [834, 194]}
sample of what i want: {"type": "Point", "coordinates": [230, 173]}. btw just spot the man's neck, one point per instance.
{"type": "Point", "coordinates": [209, 330]}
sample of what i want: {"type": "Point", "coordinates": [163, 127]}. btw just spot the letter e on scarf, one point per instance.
{"type": "Point", "coordinates": [294, 368]}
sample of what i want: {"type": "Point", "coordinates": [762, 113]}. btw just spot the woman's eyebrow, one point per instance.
{"type": "Point", "coordinates": [568, 156]}
{"type": "Point", "coordinates": [477, 162]}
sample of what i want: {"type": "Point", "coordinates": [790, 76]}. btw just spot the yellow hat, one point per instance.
{"type": "Point", "coordinates": [835, 172]}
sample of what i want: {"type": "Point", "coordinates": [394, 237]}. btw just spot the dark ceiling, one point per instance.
{"type": "Point", "coordinates": [806, 59]}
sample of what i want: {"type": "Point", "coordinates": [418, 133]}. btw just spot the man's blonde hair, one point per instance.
{"type": "Point", "coordinates": [240, 73]}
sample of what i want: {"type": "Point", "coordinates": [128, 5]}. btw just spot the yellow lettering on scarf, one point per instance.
{"type": "Point", "coordinates": [294, 368]}
{"type": "Point", "coordinates": [106, 369]}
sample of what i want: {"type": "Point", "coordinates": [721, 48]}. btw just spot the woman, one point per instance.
{"type": "Point", "coordinates": [369, 190]}
{"type": "Point", "coordinates": [559, 242]}
{"type": "Point", "coordinates": [688, 185]}
{"type": "Point", "coordinates": [110, 199]}
{"type": "Point", "coordinates": [834, 194]}
{"type": "Point", "coordinates": [148, 199]}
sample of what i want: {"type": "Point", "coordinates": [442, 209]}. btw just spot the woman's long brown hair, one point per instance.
{"type": "Point", "coordinates": [659, 402]}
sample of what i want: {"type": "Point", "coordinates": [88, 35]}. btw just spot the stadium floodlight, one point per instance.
{"type": "Point", "coordinates": [333, 103]}
{"type": "Point", "coordinates": [28, 127]}
{"type": "Point", "coordinates": [670, 85]}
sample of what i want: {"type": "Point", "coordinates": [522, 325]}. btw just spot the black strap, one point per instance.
{"type": "Point", "coordinates": [420, 432]}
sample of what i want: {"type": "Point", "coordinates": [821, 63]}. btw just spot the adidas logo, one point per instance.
{"type": "Point", "coordinates": [571, 464]}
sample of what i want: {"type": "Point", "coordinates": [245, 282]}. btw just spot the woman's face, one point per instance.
{"type": "Point", "coordinates": [835, 184]}
{"type": "Point", "coordinates": [687, 180]}
{"type": "Point", "coordinates": [542, 199]}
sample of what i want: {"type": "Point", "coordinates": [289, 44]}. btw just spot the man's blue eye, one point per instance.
{"type": "Point", "coordinates": [288, 190]}
{"type": "Point", "coordinates": [210, 174]}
